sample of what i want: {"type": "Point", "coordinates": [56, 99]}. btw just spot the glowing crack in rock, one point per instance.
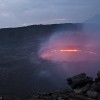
{"type": "Point", "coordinates": [69, 50]}
{"type": "Point", "coordinates": [66, 54]}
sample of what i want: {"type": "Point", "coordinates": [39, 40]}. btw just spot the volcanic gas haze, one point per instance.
{"type": "Point", "coordinates": [67, 46]}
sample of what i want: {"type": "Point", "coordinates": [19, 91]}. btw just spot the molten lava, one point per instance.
{"type": "Point", "coordinates": [73, 50]}
{"type": "Point", "coordinates": [67, 54]}
{"type": "Point", "coordinates": [70, 50]}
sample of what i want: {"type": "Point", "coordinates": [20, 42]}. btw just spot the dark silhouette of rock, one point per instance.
{"type": "Point", "coordinates": [85, 86]}
{"type": "Point", "coordinates": [79, 80]}
{"type": "Point", "coordinates": [90, 90]}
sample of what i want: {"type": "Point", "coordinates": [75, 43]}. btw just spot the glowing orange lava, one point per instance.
{"type": "Point", "coordinates": [70, 50]}
{"type": "Point", "coordinates": [73, 50]}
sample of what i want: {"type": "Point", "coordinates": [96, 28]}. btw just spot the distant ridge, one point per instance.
{"type": "Point", "coordinates": [61, 25]}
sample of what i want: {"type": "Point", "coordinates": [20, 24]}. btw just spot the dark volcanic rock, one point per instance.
{"type": "Point", "coordinates": [85, 86]}
{"type": "Point", "coordinates": [79, 80]}
{"type": "Point", "coordinates": [84, 89]}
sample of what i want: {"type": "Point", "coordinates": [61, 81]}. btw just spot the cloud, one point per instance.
{"type": "Point", "coordinates": [43, 11]}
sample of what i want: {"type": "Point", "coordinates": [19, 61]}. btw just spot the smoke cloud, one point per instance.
{"type": "Point", "coordinates": [61, 47]}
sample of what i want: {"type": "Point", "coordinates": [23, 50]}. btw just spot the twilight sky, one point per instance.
{"type": "Point", "coordinates": [14, 13]}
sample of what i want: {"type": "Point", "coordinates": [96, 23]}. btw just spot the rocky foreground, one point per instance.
{"type": "Point", "coordinates": [82, 88]}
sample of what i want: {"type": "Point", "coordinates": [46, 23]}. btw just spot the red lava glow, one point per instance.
{"type": "Point", "coordinates": [69, 50]}
{"type": "Point", "coordinates": [73, 51]}
{"type": "Point", "coordinates": [67, 54]}
{"type": "Point", "coordinates": [69, 47]}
